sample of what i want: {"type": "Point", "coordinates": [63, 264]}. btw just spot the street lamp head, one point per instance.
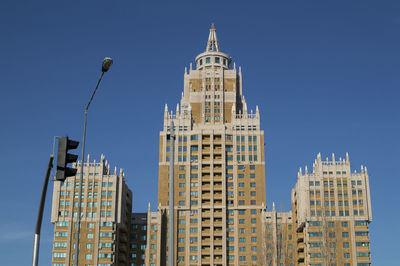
{"type": "Point", "coordinates": [107, 62]}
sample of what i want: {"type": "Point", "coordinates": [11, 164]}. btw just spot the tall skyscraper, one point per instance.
{"type": "Point", "coordinates": [219, 166]}
{"type": "Point", "coordinates": [105, 217]}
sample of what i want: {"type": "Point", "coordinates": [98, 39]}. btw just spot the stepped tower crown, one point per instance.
{"type": "Point", "coordinates": [213, 56]}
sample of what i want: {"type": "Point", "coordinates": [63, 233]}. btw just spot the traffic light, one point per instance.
{"type": "Point", "coordinates": [64, 158]}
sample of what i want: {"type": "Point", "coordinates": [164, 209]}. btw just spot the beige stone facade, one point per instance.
{"type": "Point", "coordinates": [331, 212]}
{"type": "Point", "coordinates": [105, 217]}
{"type": "Point", "coordinates": [219, 167]}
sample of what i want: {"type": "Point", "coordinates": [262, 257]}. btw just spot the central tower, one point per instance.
{"type": "Point", "coordinates": [219, 169]}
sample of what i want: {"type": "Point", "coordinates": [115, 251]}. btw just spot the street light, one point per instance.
{"type": "Point", "coordinates": [107, 62]}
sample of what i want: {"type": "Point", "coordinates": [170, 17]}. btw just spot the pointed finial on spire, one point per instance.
{"type": "Point", "coordinates": [306, 170]}
{"type": "Point", "coordinates": [347, 157]}
{"type": "Point", "coordinates": [273, 206]}
{"type": "Point", "coordinates": [212, 44]}
{"type": "Point", "coordinates": [333, 157]}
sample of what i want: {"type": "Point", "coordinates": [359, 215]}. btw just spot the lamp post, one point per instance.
{"type": "Point", "coordinates": [107, 62]}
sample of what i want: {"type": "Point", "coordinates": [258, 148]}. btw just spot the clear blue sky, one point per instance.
{"type": "Point", "coordinates": [325, 75]}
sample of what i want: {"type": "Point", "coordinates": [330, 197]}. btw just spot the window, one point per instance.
{"type": "Point", "coordinates": [62, 224]}
{"type": "Point", "coordinates": [362, 244]}
{"type": "Point", "coordinates": [89, 256]}
{"type": "Point", "coordinates": [208, 60]}
{"type": "Point", "coordinates": [358, 223]}
{"type": "Point", "coordinates": [314, 223]}
{"type": "Point", "coordinates": [104, 245]}
{"type": "Point", "coordinates": [345, 234]}
{"type": "Point", "coordinates": [60, 255]}
{"type": "Point", "coordinates": [89, 236]}
{"type": "Point", "coordinates": [347, 255]}
{"type": "Point", "coordinates": [346, 244]}
{"type": "Point", "coordinates": [60, 244]}
{"type": "Point", "coordinates": [312, 234]}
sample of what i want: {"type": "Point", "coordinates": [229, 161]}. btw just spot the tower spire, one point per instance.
{"type": "Point", "coordinates": [212, 44]}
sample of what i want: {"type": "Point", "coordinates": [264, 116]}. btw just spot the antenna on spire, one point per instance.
{"type": "Point", "coordinates": [212, 44]}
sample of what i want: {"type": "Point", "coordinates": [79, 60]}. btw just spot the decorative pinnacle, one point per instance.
{"type": "Point", "coordinates": [212, 44]}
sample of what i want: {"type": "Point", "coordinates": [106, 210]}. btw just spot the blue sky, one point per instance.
{"type": "Point", "coordinates": [325, 75]}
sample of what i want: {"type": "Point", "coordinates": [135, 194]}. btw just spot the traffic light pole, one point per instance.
{"type": "Point", "coordinates": [78, 224]}
{"type": "Point", "coordinates": [35, 257]}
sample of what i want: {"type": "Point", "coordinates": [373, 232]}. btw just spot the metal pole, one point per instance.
{"type": "Point", "coordinates": [78, 224]}
{"type": "Point", "coordinates": [35, 257]}
{"type": "Point", "coordinates": [171, 242]}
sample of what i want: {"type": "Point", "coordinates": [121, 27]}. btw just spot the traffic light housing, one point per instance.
{"type": "Point", "coordinates": [64, 158]}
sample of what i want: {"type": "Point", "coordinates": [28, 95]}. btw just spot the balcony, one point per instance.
{"type": "Point", "coordinates": [205, 249]}
{"type": "Point", "coordinates": [205, 231]}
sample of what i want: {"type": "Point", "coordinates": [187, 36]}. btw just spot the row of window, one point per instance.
{"type": "Point", "coordinates": [90, 194]}
{"type": "Point", "coordinates": [227, 137]}
{"type": "Point", "coordinates": [217, 60]}
{"type": "Point", "coordinates": [331, 173]}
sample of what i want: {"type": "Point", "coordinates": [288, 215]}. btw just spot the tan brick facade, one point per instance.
{"type": "Point", "coordinates": [105, 217]}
